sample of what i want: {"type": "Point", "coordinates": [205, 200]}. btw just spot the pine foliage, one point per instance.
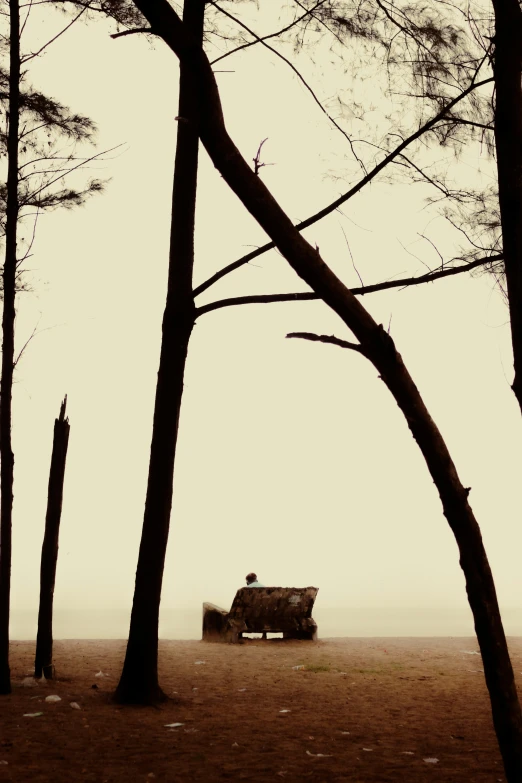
{"type": "Point", "coordinates": [51, 142]}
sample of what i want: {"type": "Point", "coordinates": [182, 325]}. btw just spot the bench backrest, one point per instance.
{"type": "Point", "coordinates": [272, 608]}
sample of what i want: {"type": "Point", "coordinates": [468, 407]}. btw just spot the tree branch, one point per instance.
{"type": "Point", "coordinates": [132, 32]}
{"type": "Point", "coordinates": [55, 37]}
{"type": "Point", "coordinates": [331, 339]}
{"type": "Point", "coordinates": [472, 123]}
{"type": "Point", "coordinates": [83, 162]}
{"type": "Point", "coordinates": [346, 196]}
{"type": "Point", "coordinates": [257, 160]}
{"type": "Point", "coordinates": [304, 296]}
{"type": "Point", "coordinates": [270, 35]}
{"type": "Point", "coordinates": [255, 299]}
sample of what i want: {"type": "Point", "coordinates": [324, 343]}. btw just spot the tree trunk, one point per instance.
{"type": "Point", "coordinates": [43, 663]}
{"type": "Point", "coordinates": [507, 63]}
{"type": "Point", "coordinates": [139, 680]}
{"type": "Point", "coordinates": [8, 321]}
{"type": "Point", "coordinates": [379, 348]}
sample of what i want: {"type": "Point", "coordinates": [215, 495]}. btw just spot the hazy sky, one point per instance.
{"type": "Point", "coordinates": [293, 459]}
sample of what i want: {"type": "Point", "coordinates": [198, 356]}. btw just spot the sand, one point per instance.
{"type": "Point", "coordinates": [365, 710]}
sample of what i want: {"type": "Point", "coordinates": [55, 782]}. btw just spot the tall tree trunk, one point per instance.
{"type": "Point", "coordinates": [139, 679]}
{"type": "Point", "coordinates": [507, 65]}
{"type": "Point", "coordinates": [8, 322]}
{"type": "Point", "coordinates": [379, 348]}
{"type": "Point", "coordinates": [43, 663]}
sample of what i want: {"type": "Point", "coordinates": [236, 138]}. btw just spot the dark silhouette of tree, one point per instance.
{"type": "Point", "coordinates": [139, 679]}
{"type": "Point", "coordinates": [507, 67]}
{"type": "Point", "coordinates": [8, 319]}
{"type": "Point", "coordinates": [378, 347]}
{"type": "Point", "coordinates": [32, 139]}
{"type": "Point", "coordinates": [43, 664]}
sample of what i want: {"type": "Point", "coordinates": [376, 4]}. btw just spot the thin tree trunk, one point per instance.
{"type": "Point", "coordinates": [8, 321]}
{"type": "Point", "coordinates": [139, 680]}
{"type": "Point", "coordinates": [507, 64]}
{"type": "Point", "coordinates": [379, 348]}
{"type": "Point", "coordinates": [43, 663]}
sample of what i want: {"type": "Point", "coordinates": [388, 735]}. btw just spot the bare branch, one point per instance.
{"type": "Point", "coordinates": [29, 57]}
{"type": "Point", "coordinates": [270, 35]}
{"type": "Point", "coordinates": [331, 339]}
{"type": "Point", "coordinates": [133, 32]}
{"type": "Point", "coordinates": [257, 160]}
{"type": "Point", "coordinates": [434, 246]}
{"type": "Point", "coordinates": [24, 346]}
{"type": "Point", "coordinates": [33, 334]}
{"type": "Point", "coordinates": [83, 162]}
{"type": "Point", "coordinates": [31, 243]}
{"type": "Point", "coordinates": [351, 256]}
{"type": "Point", "coordinates": [24, 23]}
{"type": "Point", "coordinates": [305, 296]}
{"type": "Point", "coordinates": [256, 299]}
{"type": "Point", "coordinates": [472, 123]}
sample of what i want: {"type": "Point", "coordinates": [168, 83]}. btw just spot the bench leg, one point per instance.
{"type": "Point", "coordinates": [306, 635]}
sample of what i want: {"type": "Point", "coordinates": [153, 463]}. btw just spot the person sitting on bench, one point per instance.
{"type": "Point", "coordinates": [251, 580]}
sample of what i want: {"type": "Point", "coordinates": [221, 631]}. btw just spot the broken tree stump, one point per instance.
{"type": "Point", "coordinates": [43, 664]}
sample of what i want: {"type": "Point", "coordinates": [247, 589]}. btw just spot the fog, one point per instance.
{"type": "Point", "coordinates": [293, 459]}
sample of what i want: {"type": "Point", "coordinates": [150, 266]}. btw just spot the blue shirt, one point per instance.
{"type": "Point", "coordinates": [255, 584]}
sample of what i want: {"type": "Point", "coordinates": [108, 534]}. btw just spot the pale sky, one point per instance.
{"type": "Point", "coordinates": [293, 459]}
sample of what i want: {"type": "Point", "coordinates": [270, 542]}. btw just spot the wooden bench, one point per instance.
{"type": "Point", "coordinates": [286, 610]}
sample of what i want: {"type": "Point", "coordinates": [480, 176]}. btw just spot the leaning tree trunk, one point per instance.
{"type": "Point", "coordinates": [139, 680]}
{"type": "Point", "coordinates": [43, 663]}
{"type": "Point", "coordinates": [379, 348]}
{"type": "Point", "coordinates": [8, 321]}
{"type": "Point", "coordinates": [507, 63]}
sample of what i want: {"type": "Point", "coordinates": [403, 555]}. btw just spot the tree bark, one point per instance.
{"type": "Point", "coordinates": [507, 64]}
{"type": "Point", "coordinates": [379, 348]}
{"type": "Point", "coordinates": [139, 680]}
{"type": "Point", "coordinates": [8, 322]}
{"type": "Point", "coordinates": [43, 663]}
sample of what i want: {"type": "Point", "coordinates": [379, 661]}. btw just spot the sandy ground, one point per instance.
{"type": "Point", "coordinates": [361, 710]}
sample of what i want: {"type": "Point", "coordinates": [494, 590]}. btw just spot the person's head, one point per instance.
{"type": "Point", "coordinates": [251, 578]}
